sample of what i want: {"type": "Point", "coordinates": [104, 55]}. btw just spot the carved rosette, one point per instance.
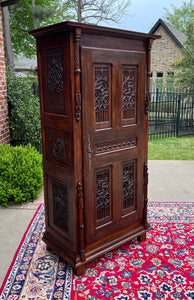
{"type": "Point", "coordinates": [57, 146]}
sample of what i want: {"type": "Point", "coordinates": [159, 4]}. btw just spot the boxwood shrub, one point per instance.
{"type": "Point", "coordinates": [24, 112]}
{"type": "Point", "coordinates": [21, 174]}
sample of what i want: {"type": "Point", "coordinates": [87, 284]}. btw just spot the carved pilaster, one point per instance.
{"type": "Point", "coordinates": [146, 225]}
{"type": "Point", "coordinates": [81, 221]}
{"type": "Point", "coordinates": [78, 106]}
{"type": "Point", "coordinates": [78, 103]}
{"type": "Point", "coordinates": [148, 75]}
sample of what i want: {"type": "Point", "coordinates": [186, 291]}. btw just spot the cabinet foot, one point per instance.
{"type": "Point", "coordinates": [142, 237]}
{"type": "Point", "coordinates": [79, 270]}
{"type": "Point", "coordinates": [48, 248]}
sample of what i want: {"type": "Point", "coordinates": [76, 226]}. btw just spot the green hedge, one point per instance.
{"type": "Point", "coordinates": [21, 174]}
{"type": "Point", "coordinates": [24, 112]}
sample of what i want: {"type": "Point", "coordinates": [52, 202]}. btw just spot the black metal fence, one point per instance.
{"type": "Point", "coordinates": [171, 113]}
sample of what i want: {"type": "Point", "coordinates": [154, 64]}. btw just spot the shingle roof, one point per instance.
{"type": "Point", "coordinates": [178, 36]}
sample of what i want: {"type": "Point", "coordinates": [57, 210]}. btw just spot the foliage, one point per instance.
{"type": "Point", "coordinates": [21, 174]}
{"type": "Point", "coordinates": [171, 149]}
{"type": "Point", "coordinates": [95, 11]}
{"type": "Point", "coordinates": [24, 112]}
{"type": "Point", "coordinates": [185, 63]}
{"type": "Point", "coordinates": [21, 21]}
{"type": "Point", "coordinates": [182, 17]}
{"type": "Point", "coordinates": [23, 16]}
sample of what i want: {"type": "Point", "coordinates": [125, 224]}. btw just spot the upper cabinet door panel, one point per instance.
{"type": "Point", "coordinates": [113, 85]}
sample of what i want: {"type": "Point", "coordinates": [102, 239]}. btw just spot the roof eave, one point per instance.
{"type": "Point", "coordinates": [156, 26]}
{"type": "Point", "coordinates": [8, 2]}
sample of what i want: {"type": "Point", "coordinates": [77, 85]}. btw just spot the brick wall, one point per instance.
{"type": "Point", "coordinates": [4, 125]}
{"type": "Point", "coordinates": [164, 51]}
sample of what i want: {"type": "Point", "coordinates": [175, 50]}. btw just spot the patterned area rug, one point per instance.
{"type": "Point", "coordinates": [162, 267]}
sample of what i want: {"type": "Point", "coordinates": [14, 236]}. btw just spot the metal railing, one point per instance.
{"type": "Point", "coordinates": [171, 113]}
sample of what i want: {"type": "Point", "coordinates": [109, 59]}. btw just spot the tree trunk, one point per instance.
{"type": "Point", "coordinates": [34, 17]}
{"type": "Point", "coordinates": [79, 14]}
{"type": "Point", "coordinates": [7, 37]}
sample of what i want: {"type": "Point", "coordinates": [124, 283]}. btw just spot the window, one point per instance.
{"type": "Point", "coordinates": [159, 74]}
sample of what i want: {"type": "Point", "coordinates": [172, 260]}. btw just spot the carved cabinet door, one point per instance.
{"type": "Point", "coordinates": [113, 95]}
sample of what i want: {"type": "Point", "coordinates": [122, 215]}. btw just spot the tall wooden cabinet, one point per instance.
{"type": "Point", "coordinates": [94, 93]}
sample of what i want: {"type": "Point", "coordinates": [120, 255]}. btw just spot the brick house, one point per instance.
{"type": "Point", "coordinates": [165, 50]}
{"type": "Point", "coordinates": [4, 124]}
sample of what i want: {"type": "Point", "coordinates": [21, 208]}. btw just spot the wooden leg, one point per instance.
{"type": "Point", "coordinates": [48, 248]}
{"type": "Point", "coordinates": [142, 237]}
{"type": "Point", "coordinates": [79, 270]}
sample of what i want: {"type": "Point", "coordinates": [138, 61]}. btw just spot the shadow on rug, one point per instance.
{"type": "Point", "coordinates": [162, 267]}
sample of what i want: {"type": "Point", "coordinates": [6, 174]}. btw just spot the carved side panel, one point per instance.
{"type": "Point", "coordinates": [103, 196]}
{"type": "Point", "coordinates": [129, 92]}
{"type": "Point", "coordinates": [60, 206]}
{"type": "Point", "coordinates": [129, 185]}
{"type": "Point", "coordinates": [55, 81]}
{"type": "Point", "coordinates": [102, 92]}
{"type": "Point", "coordinates": [57, 148]}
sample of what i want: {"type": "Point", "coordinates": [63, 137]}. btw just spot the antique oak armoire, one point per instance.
{"type": "Point", "coordinates": [94, 92]}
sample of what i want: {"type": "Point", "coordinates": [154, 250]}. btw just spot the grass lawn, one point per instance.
{"type": "Point", "coordinates": [171, 149]}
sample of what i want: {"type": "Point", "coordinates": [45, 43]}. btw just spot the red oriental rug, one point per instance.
{"type": "Point", "coordinates": [162, 267]}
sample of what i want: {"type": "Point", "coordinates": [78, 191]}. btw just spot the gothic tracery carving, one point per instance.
{"type": "Point", "coordinates": [103, 194]}
{"type": "Point", "coordinates": [55, 72]}
{"type": "Point", "coordinates": [128, 185]}
{"type": "Point", "coordinates": [129, 92]}
{"type": "Point", "coordinates": [102, 94]}
{"type": "Point", "coordinates": [60, 206]}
